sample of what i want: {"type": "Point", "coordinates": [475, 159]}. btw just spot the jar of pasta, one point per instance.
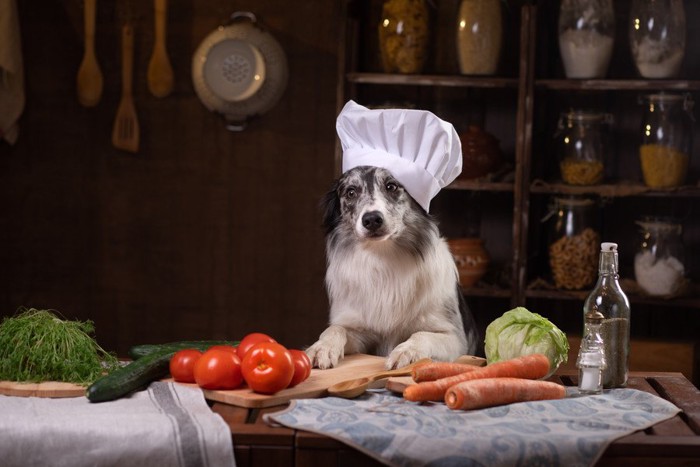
{"type": "Point", "coordinates": [666, 139]}
{"type": "Point", "coordinates": [404, 30]}
{"type": "Point", "coordinates": [583, 146]}
{"type": "Point", "coordinates": [574, 242]}
{"type": "Point", "coordinates": [659, 262]}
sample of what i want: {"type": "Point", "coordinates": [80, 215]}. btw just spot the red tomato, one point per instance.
{"type": "Point", "coordinates": [227, 348]}
{"type": "Point", "coordinates": [302, 366]}
{"type": "Point", "coordinates": [250, 340]}
{"type": "Point", "coordinates": [182, 365]}
{"type": "Point", "coordinates": [218, 369]}
{"type": "Point", "coordinates": [268, 367]}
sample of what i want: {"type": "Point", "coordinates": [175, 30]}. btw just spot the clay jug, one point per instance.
{"type": "Point", "coordinates": [471, 257]}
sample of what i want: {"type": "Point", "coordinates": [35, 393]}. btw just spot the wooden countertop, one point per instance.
{"type": "Point", "coordinates": [673, 442]}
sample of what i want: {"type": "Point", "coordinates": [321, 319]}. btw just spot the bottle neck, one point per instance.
{"type": "Point", "coordinates": [607, 264]}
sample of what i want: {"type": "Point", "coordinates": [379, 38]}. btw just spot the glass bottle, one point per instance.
{"type": "Point", "coordinates": [608, 298]}
{"type": "Point", "coordinates": [404, 31]}
{"type": "Point", "coordinates": [657, 37]}
{"type": "Point", "coordinates": [583, 146]}
{"type": "Point", "coordinates": [666, 139]}
{"type": "Point", "coordinates": [659, 262]}
{"type": "Point", "coordinates": [586, 37]}
{"type": "Point", "coordinates": [573, 243]}
{"type": "Point", "coordinates": [591, 355]}
{"type": "Point", "coordinates": [479, 36]}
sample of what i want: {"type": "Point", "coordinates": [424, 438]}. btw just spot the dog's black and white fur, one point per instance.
{"type": "Point", "coordinates": [392, 282]}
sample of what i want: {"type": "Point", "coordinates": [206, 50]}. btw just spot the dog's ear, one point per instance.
{"type": "Point", "coordinates": [330, 207]}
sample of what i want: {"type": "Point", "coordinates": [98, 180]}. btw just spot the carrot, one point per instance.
{"type": "Point", "coordinates": [489, 392]}
{"type": "Point", "coordinates": [437, 370]}
{"type": "Point", "coordinates": [532, 366]}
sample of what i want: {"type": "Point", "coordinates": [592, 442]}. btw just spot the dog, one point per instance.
{"type": "Point", "coordinates": [392, 282]}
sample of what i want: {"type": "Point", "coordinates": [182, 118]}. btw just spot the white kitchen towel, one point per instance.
{"type": "Point", "coordinates": [573, 432]}
{"type": "Point", "coordinates": [11, 71]}
{"type": "Point", "coordinates": [166, 425]}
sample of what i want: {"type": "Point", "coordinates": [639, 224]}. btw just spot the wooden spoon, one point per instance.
{"type": "Point", "coordinates": [89, 82]}
{"type": "Point", "coordinates": [356, 387]}
{"type": "Point", "coordinates": [160, 73]}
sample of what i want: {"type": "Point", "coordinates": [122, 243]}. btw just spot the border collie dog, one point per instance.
{"type": "Point", "coordinates": [391, 279]}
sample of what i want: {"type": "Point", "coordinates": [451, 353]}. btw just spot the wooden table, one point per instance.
{"type": "Point", "coordinates": [673, 442]}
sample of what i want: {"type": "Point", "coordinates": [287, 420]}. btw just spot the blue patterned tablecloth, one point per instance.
{"type": "Point", "coordinates": [573, 432]}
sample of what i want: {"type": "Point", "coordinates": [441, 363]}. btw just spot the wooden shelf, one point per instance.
{"type": "Point", "coordinates": [618, 85]}
{"type": "Point", "coordinates": [614, 190]}
{"type": "Point", "coordinates": [431, 80]}
{"type": "Point", "coordinates": [477, 185]}
{"type": "Point", "coordinates": [580, 295]}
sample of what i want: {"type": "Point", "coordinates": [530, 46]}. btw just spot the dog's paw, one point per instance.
{"type": "Point", "coordinates": [324, 355]}
{"type": "Point", "coordinates": [404, 354]}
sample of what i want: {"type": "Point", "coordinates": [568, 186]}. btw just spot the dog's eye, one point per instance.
{"type": "Point", "coordinates": [391, 186]}
{"type": "Point", "coordinates": [350, 193]}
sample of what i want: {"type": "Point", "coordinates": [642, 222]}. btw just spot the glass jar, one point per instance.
{"type": "Point", "coordinates": [586, 37]}
{"type": "Point", "coordinates": [583, 146]}
{"type": "Point", "coordinates": [574, 242]}
{"type": "Point", "coordinates": [479, 36]}
{"type": "Point", "coordinates": [666, 139]}
{"type": "Point", "coordinates": [659, 262]}
{"type": "Point", "coordinates": [404, 30]}
{"type": "Point", "coordinates": [657, 37]}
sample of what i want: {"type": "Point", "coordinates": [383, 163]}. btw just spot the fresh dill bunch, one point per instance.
{"type": "Point", "coordinates": [37, 345]}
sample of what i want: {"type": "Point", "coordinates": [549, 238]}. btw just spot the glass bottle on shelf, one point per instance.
{"type": "Point", "coordinates": [583, 146]}
{"type": "Point", "coordinates": [479, 36]}
{"type": "Point", "coordinates": [573, 243]}
{"type": "Point", "coordinates": [666, 139]}
{"type": "Point", "coordinates": [591, 355]}
{"type": "Point", "coordinates": [586, 37]}
{"type": "Point", "coordinates": [608, 298]}
{"type": "Point", "coordinates": [404, 31]}
{"type": "Point", "coordinates": [657, 37]}
{"type": "Point", "coordinates": [659, 262]}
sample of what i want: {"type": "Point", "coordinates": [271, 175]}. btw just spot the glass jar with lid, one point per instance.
{"type": "Point", "coordinates": [586, 37]}
{"type": "Point", "coordinates": [659, 262]}
{"type": "Point", "coordinates": [479, 36]}
{"type": "Point", "coordinates": [657, 37]}
{"type": "Point", "coordinates": [666, 139]}
{"type": "Point", "coordinates": [583, 146]}
{"type": "Point", "coordinates": [574, 242]}
{"type": "Point", "coordinates": [404, 31]}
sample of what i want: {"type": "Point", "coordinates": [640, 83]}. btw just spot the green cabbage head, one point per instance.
{"type": "Point", "coordinates": [520, 332]}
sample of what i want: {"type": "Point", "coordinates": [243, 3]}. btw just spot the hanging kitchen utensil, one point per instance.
{"type": "Point", "coordinates": [125, 133]}
{"type": "Point", "coordinates": [89, 80]}
{"type": "Point", "coordinates": [239, 70]}
{"type": "Point", "coordinates": [160, 72]}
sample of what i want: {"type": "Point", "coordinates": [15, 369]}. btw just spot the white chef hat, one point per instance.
{"type": "Point", "coordinates": [422, 151]}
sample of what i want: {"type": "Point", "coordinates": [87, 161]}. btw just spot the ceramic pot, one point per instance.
{"type": "Point", "coordinates": [481, 154]}
{"type": "Point", "coordinates": [471, 257]}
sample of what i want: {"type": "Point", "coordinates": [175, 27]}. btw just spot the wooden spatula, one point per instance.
{"type": "Point", "coordinates": [125, 133]}
{"type": "Point", "coordinates": [160, 73]}
{"type": "Point", "coordinates": [89, 81]}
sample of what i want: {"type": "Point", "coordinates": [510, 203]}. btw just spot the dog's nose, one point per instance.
{"type": "Point", "coordinates": [372, 220]}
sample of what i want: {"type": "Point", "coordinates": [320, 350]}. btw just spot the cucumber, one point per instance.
{"type": "Point", "coordinates": [131, 377]}
{"type": "Point", "coordinates": [138, 351]}
{"type": "Point", "coordinates": [151, 363]}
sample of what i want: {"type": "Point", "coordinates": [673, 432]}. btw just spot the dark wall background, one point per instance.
{"type": "Point", "coordinates": [204, 233]}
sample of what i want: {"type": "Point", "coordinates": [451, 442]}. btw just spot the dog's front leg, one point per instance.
{"type": "Point", "coordinates": [333, 344]}
{"type": "Point", "coordinates": [440, 346]}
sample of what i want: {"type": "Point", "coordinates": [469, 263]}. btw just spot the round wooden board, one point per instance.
{"type": "Point", "coordinates": [52, 389]}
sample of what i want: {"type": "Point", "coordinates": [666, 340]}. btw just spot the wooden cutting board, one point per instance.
{"type": "Point", "coordinates": [53, 389]}
{"type": "Point", "coordinates": [352, 366]}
